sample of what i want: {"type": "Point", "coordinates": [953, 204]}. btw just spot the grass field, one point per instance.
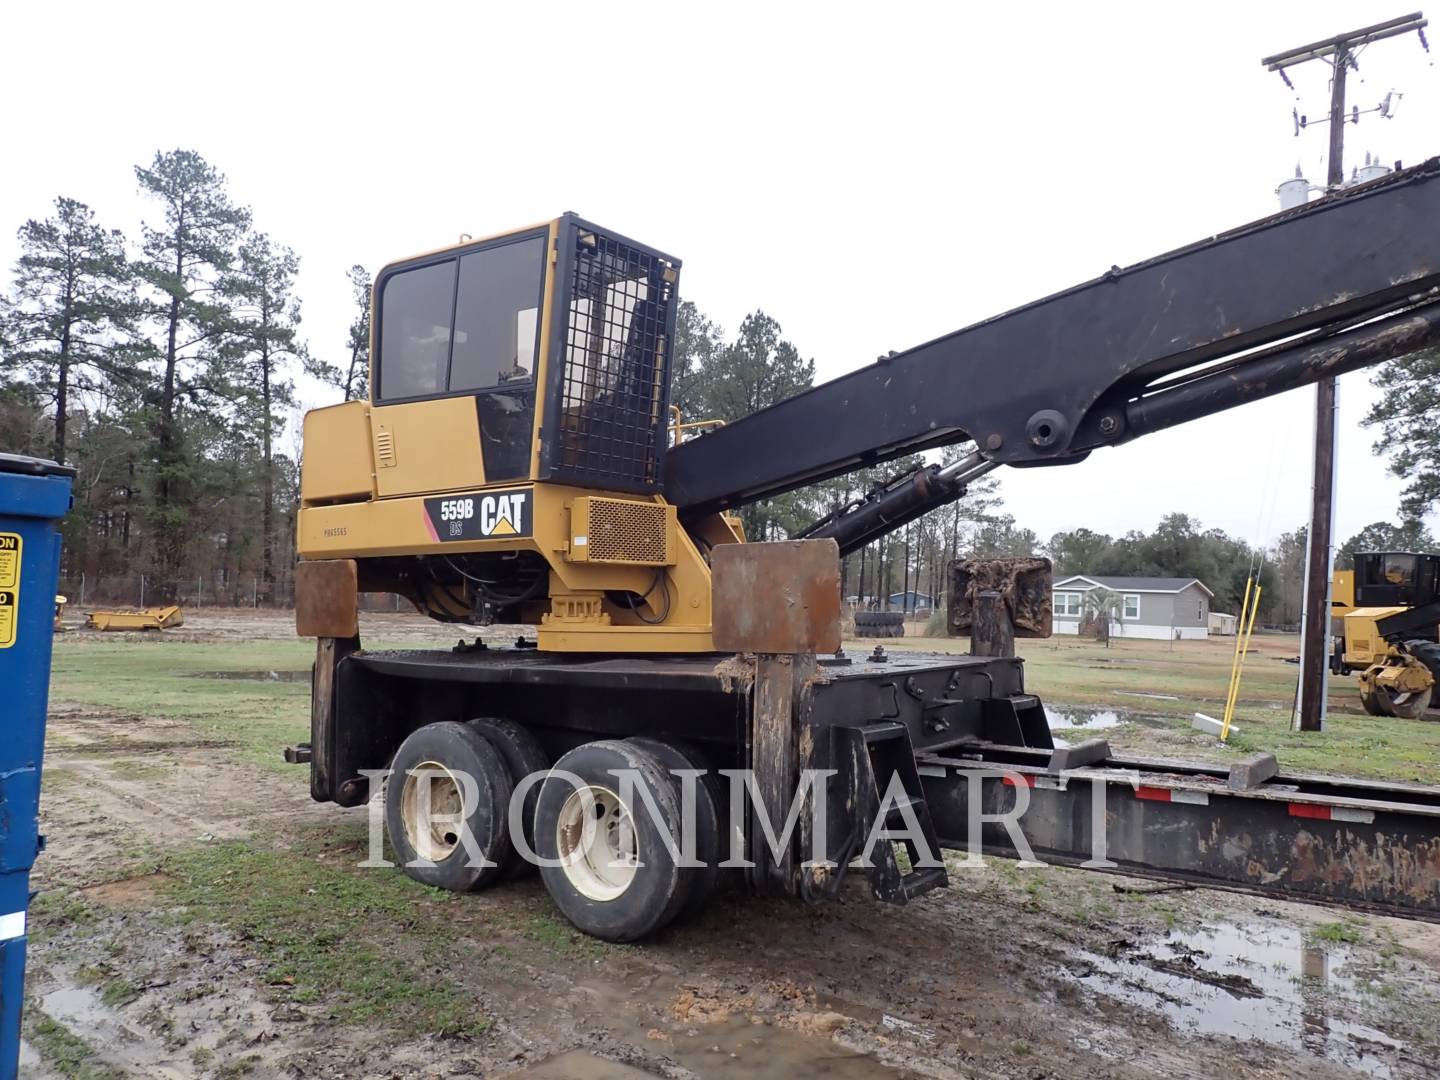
{"type": "Point", "coordinates": [147, 677]}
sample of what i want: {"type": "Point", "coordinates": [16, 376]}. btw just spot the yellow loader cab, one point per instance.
{"type": "Point", "coordinates": [1342, 599]}
{"type": "Point", "coordinates": [1357, 643]}
{"type": "Point", "coordinates": [507, 465]}
{"type": "Point", "coordinates": [1342, 603]}
{"type": "Point", "coordinates": [1392, 634]}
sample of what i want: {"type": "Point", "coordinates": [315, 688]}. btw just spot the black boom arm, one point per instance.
{"type": "Point", "coordinates": [1347, 281]}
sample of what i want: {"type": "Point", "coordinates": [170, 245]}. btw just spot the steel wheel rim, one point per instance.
{"type": "Point", "coordinates": [437, 836]}
{"type": "Point", "coordinates": [597, 844]}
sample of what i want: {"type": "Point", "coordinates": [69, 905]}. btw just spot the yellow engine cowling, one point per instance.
{"type": "Point", "coordinates": [1364, 645]}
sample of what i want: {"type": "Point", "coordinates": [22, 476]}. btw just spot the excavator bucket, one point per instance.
{"type": "Point", "coordinates": [1023, 583]}
{"type": "Point", "coordinates": [155, 618]}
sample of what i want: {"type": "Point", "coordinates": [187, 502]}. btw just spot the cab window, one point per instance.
{"type": "Point", "coordinates": [497, 316]}
{"type": "Point", "coordinates": [462, 325]}
{"type": "Point", "coordinates": [1400, 569]}
{"type": "Point", "coordinates": [415, 307]}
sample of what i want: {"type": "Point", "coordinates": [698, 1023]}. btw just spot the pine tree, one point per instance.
{"type": "Point", "coordinates": [698, 341]}
{"type": "Point", "coordinates": [357, 377]}
{"type": "Point", "coordinates": [259, 345]}
{"type": "Point", "coordinates": [757, 369]}
{"type": "Point", "coordinates": [352, 379]}
{"type": "Point", "coordinates": [184, 256]}
{"type": "Point", "coordinates": [1405, 415]}
{"type": "Point", "coordinates": [69, 311]}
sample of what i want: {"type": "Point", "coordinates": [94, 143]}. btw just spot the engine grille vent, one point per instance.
{"type": "Point", "coordinates": [384, 449]}
{"type": "Point", "coordinates": [621, 531]}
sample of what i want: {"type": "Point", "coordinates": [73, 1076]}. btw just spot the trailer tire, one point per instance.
{"type": "Point", "coordinates": [522, 755]}
{"type": "Point", "coordinates": [606, 864]}
{"type": "Point", "coordinates": [710, 818]}
{"type": "Point", "coordinates": [452, 750]}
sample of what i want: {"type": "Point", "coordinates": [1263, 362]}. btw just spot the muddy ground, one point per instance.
{"type": "Point", "coordinates": [199, 916]}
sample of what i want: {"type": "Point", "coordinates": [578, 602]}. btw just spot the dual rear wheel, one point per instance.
{"type": "Point", "coordinates": [624, 838]}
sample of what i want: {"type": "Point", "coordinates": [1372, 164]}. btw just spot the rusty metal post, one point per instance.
{"type": "Point", "coordinates": [781, 603]}
{"type": "Point", "coordinates": [780, 713]}
{"type": "Point", "coordinates": [327, 608]}
{"type": "Point", "coordinates": [991, 633]}
{"type": "Point", "coordinates": [324, 718]}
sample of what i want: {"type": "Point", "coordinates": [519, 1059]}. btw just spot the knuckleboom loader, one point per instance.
{"type": "Point", "coordinates": [518, 463]}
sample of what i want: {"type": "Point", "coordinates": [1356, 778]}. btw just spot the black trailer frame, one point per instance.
{"type": "Point", "coordinates": [939, 749]}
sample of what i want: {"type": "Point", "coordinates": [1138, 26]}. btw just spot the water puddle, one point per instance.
{"type": "Point", "coordinates": [737, 1049]}
{"type": "Point", "coordinates": [1098, 719]}
{"type": "Point", "coordinates": [80, 1009]}
{"type": "Point", "coordinates": [579, 1065]}
{"type": "Point", "coordinates": [257, 676]}
{"type": "Point", "coordinates": [235, 1028]}
{"type": "Point", "coordinates": [1250, 982]}
{"type": "Point", "coordinates": [749, 1052]}
{"type": "Point", "coordinates": [1141, 693]}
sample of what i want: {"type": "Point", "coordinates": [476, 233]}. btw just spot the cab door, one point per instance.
{"type": "Point", "coordinates": [457, 338]}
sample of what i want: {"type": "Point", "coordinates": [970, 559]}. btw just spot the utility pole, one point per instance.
{"type": "Point", "coordinates": [1340, 51]}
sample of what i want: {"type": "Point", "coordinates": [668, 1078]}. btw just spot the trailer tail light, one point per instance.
{"type": "Point", "coordinates": [1176, 795]}
{"type": "Point", "coordinates": [1326, 812]}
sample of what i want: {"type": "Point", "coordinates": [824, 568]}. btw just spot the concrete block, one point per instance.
{"type": "Point", "coordinates": [1209, 725]}
{"type": "Point", "coordinates": [1253, 771]}
{"type": "Point", "coordinates": [1089, 752]}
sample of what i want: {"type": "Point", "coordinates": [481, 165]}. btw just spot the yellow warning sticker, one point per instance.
{"type": "Point", "coordinates": [10, 549]}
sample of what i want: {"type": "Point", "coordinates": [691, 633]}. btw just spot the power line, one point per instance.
{"type": "Point", "coordinates": [1340, 52]}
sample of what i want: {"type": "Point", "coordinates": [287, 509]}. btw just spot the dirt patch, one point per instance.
{"type": "Point", "coordinates": [132, 892]}
{"type": "Point", "coordinates": [134, 786]}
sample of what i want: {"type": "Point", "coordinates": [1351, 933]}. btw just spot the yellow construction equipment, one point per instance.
{"type": "Point", "coordinates": [514, 442]}
{"type": "Point", "coordinates": [1390, 636]}
{"type": "Point", "coordinates": [1358, 644]}
{"type": "Point", "coordinates": [1398, 664]}
{"type": "Point", "coordinates": [154, 618]}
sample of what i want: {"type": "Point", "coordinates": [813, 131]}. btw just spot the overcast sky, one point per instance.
{"type": "Point", "coordinates": [872, 175]}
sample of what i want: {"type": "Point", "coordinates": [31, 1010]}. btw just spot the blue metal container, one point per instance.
{"type": "Point", "coordinates": [34, 496]}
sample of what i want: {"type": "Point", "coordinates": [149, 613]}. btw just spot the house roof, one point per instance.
{"type": "Point", "coordinates": [1134, 584]}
